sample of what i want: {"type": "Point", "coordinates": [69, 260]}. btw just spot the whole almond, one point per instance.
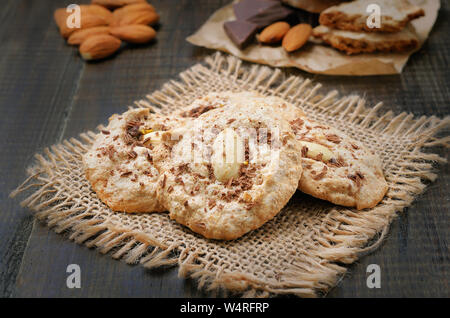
{"type": "Point", "coordinates": [112, 4]}
{"type": "Point", "coordinates": [296, 37]}
{"type": "Point", "coordinates": [60, 15]}
{"type": "Point", "coordinates": [101, 11]}
{"type": "Point", "coordinates": [99, 46]}
{"type": "Point", "coordinates": [79, 36]}
{"type": "Point", "coordinates": [274, 32]}
{"type": "Point", "coordinates": [121, 12]}
{"type": "Point", "coordinates": [87, 20]}
{"type": "Point", "coordinates": [136, 33]}
{"type": "Point", "coordinates": [139, 17]}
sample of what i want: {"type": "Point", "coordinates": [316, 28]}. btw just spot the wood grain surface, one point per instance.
{"type": "Point", "coordinates": [47, 94]}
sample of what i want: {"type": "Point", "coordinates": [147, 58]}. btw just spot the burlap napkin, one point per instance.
{"type": "Point", "coordinates": [303, 250]}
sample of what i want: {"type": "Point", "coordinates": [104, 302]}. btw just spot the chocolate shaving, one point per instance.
{"type": "Point", "coordinates": [211, 175]}
{"type": "Point", "coordinates": [132, 154]}
{"type": "Point", "coordinates": [211, 204]}
{"type": "Point", "coordinates": [334, 138]}
{"type": "Point", "coordinates": [128, 139]}
{"type": "Point", "coordinates": [321, 174]}
{"type": "Point", "coordinates": [297, 124]}
{"type": "Point", "coordinates": [126, 174]}
{"type": "Point", "coordinates": [357, 178]}
{"type": "Point", "coordinates": [197, 111]}
{"type": "Point", "coordinates": [163, 182]}
{"type": "Point", "coordinates": [149, 157]}
{"type": "Point", "coordinates": [110, 151]}
{"type": "Point", "coordinates": [169, 189]}
{"type": "Point", "coordinates": [304, 151]}
{"type": "Point", "coordinates": [354, 146]}
{"type": "Point", "coordinates": [179, 180]}
{"type": "Point", "coordinates": [148, 173]}
{"type": "Point", "coordinates": [132, 131]}
{"type": "Point", "coordinates": [105, 132]}
{"type": "Point", "coordinates": [183, 168]}
{"type": "Point", "coordinates": [339, 162]}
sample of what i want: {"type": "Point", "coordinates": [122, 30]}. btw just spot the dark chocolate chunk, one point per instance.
{"type": "Point", "coordinates": [246, 9]}
{"type": "Point", "coordinates": [240, 32]}
{"type": "Point", "coordinates": [261, 12]}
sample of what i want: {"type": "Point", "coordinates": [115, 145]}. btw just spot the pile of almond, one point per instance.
{"type": "Point", "coordinates": [104, 24]}
{"type": "Point", "coordinates": [291, 38]}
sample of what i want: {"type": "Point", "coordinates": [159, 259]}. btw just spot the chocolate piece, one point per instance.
{"type": "Point", "coordinates": [246, 9]}
{"type": "Point", "coordinates": [240, 32]}
{"type": "Point", "coordinates": [261, 12]}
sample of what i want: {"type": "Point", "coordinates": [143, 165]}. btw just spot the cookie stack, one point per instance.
{"type": "Point", "coordinates": [367, 26]}
{"type": "Point", "coordinates": [228, 163]}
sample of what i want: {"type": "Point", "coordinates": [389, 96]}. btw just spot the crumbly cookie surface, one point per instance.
{"type": "Point", "coordinates": [363, 42]}
{"type": "Point", "coordinates": [352, 16]}
{"type": "Point", "coordinates": [196, 189]}
{"type": "Point", "coordinates": [120, 167]}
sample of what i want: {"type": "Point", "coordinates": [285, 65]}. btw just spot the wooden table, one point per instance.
{"type": "Point", "coordinates": [47, 94]}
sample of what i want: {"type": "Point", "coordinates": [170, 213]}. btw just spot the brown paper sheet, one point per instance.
{"type": "Point", "coordinates": [314, 58]}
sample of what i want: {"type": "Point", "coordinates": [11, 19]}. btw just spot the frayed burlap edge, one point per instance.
{"type": "Point", "coordinates": [336, 247]}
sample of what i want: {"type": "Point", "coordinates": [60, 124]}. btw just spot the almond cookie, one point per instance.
{"type": "Point", "coordinates": [352, 16]}
{"type": "Point", "coordinates": [364, 42]}
{"type": "Point", "coordinates": [337, 168]}
{"type": "Point", "coordinates": [120, 166]}
{"type": "Point", "coordinates": [231, 169]}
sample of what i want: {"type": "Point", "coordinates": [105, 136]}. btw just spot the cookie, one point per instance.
{"type": "Point", "coordinates": [338, 168]}
{"type": "Point", "coordinates": [231, 169]}
{"type": "Point", "coordinates": [363, 42]}
{"type": "Point", "coordinates": [352, 16]}
{"type": "Point", "coordinates": [120, 165]}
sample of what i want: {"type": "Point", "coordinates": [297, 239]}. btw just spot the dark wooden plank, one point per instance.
{"type": "Point", "coordinates": [43, 273]}
{"type": "Point", "coordinates": [414, 258]}
{"type": "Point", "coordinates": [36, 88]}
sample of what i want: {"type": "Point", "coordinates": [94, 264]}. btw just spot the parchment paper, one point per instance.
{"type": "Point", "coordinates": [313, 57]}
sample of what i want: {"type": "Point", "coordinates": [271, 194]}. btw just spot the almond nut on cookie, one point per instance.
{"type": "Point", "coordinates": [136, 33]}
{"type": "Point", "coordinates": [316, 151]}
{"type": "Point", "coordinates": [99, 46]}
{"type": "Point", "coordinates": [228, 154]}
{"type": "Point", "coordinates": [274, 33]}
{"type": "Point", "coordinates": [296, 37]}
